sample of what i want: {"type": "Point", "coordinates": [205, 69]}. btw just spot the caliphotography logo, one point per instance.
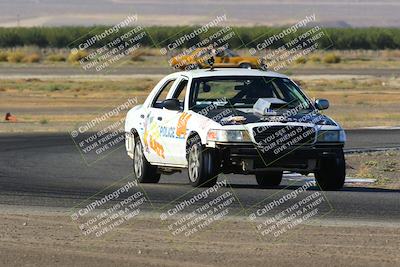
{"type": "Point", "coordinates": [102, 134]}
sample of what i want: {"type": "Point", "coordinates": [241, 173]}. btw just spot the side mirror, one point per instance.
{"type": "Point", "coordinates": [171, 104]}
{"type": "Point", "coordinates": [321, 104]}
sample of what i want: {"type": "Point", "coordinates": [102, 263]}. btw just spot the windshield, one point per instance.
{"type": "Point", "coordinates": [244, 91]}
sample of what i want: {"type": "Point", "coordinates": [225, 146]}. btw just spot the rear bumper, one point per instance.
{"type": "Point", "coordinates": [239, 158]}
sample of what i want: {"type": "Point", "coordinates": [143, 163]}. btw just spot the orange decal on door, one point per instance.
{"type": "Point", "coordinates": [182, 123]}
{"type": "Point", "coordinates": [157, 147]}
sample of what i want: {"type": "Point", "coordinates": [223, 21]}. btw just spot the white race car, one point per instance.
{"type": "Point", "coordinates": [242, 121]}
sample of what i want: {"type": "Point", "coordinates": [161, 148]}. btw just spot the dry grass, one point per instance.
{"type": "Point", "coordinates": [343, 59]}
{"type": "Point", "coordinates": [332, 58]}
{"type": "Point", "coordinates": [3, 56]}
{"type": "Point", "coordinates": [15, 57]}
{"type": "Point", "coordinates": [57, 105]}
{"type": "Point", "coordinates": [32, 58]}
{"type": "Point", "coordinates": [56, 58]}
{"type": "Point", "coordinates": [352, 59]}
{"type": "Point", "coordinates": [354, 102]}
{"type": "Point", "coordinates": [382, 166]}
{"type": "Point", "coordinates": [359, 102]}
{"type": "Point", "coordinates": [76, 56]}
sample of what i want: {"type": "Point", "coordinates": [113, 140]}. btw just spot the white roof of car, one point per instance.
{"type": "Point", "coordinates": [230, 72]}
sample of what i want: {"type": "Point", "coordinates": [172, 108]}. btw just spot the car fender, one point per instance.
{"type": "Point", "coordinates": [132, 124]}
{"type": "Point", "coordinates": [131, 120]}
{"type": "Point", "coordinates": [200, 124]}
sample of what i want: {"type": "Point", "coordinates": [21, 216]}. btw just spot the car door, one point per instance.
{"type": "Point", "coordinates": [172, 125]}
{"type": "Point", "coordinates": [153, 144]}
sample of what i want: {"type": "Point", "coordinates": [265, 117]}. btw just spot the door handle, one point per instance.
{"type": "Point", "coordinates": [159, 118]}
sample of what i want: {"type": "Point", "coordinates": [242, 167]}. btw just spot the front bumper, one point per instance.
{"type": "Point", "coordinates": [247, 158]}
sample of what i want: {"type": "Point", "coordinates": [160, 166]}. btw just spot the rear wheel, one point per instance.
{"type": "Point", "coordinates": [143, 171]}
{"type": "Point", "coordinates": [202, 166]}
{"type": "Point", "coordinates": [269, 179]}
{"type": "Point", "coordinates": [332, 173]}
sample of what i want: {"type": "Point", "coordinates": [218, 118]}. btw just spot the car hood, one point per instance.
{"type": "Point", "coordinates": [237, 117]}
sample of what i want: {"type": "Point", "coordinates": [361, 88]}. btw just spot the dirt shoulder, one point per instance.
{"type": "Point", "coordinates": [51, 238]}
{"type": "Point", "coordinates": [383, 167]}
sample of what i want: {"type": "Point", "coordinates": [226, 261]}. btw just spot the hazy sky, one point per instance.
{"type": "Point", "coordinates": [360, 13]}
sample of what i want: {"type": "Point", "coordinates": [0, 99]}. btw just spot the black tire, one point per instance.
{"type": "Point", "coordinates": [245, 66]}
{"type": "Point", "coordinates": [203, 168]}
{"type": "Point", "coordinates": [143, 171]}
{"type": "Point", "coordinates": [332, 173]}
{"type": "Point", "coordinates": [269, 179]}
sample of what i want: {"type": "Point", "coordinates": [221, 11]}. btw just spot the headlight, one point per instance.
{"type": "Point", "coordinates": [228, 136]}
{"type": "Point", "coordinates": [331, 136]}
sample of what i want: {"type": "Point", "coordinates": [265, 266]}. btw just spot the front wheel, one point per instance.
{"type": "Point", "coordinates": [332, 173]}
{"type": "Point", "coordinates": [202, 166]}
{"type": "Point", "coordinates": [269, 179]}
{"type": "Point", "coordinates": [143, 171]}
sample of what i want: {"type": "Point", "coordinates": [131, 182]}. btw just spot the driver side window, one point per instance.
{"type": "Point", "coordinates": [162, 94]}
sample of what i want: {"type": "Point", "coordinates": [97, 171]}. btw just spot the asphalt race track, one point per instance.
{"type": "Point", "coordinates": [47, 170]}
